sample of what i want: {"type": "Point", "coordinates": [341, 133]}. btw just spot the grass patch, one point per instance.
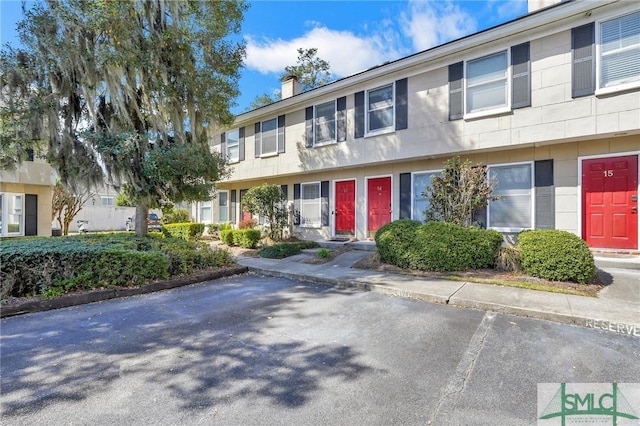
{"type": "Point", "coordinates": [521, 284]}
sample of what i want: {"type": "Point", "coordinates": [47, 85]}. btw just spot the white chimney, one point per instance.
{"type": "Point", "coordinates": [290, 86]}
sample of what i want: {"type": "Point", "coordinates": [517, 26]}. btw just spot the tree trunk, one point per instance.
{"type": "Point", "coordinates": [142, 211]}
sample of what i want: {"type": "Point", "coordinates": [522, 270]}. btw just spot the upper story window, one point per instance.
{"type": "Point", "coordinates": [380, 109]}
{"type": "Point", "coordinates": [233, 145]}
{"type": "Point", "coordinates": [619, 51]}
{"type": "Point", "coordinates": [492, 84]}
{"type": "Point", "coordinates": [269, 137]}
{"type": "Point", "coordinates": [486, 83]}
{"type": "Point", "coordinates": [324, 123]}
{"type": "Point", "coordinates": [605, 56]}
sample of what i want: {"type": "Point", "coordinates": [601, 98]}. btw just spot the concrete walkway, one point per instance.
{"type": "Point", "coordinates": [617, 309]}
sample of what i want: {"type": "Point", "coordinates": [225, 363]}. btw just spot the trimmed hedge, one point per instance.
{"type": "Point", "coordinates": [437, 246]}
{"type": "Point", "coordinates": [394, 241]}
{"type": "Point", "coordinates": [53, 266]}
{"type": "Point", "coordinates": [556, 255]}
{"type": "Point", "coordinates": [184, 230]}
{"type": "Point", "coordinates": [246, 238]}
{"type": "Point", "coordinates": [282, 250]}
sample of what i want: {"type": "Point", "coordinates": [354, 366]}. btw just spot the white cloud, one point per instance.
{"type": "Point", "coordinates": [430, 24]}
{"type": "Point", "coordinates": [346, 52]}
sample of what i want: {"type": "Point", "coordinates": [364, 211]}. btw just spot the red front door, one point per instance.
{"type": "Point", "coordinates": [346, 207]}
{"type": "Point", "coordinates": [379, 202]}
{"type": "Point", "coordinates": [610, 202]}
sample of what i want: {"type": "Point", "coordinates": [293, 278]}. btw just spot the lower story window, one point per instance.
{"type": "Point", "coordinates": [419, 203]}
{"type": "Point", "coordinates": [223, 207]}
{"type": "Point", "coordinates": [310, 204]}
{"type": "Point", "coordinates": [11, 214]}
{"type": "Point", "coordinates": [205, 212]}
{"type": "Point", "coordinates": [514, 185]}
{"type": "Point", "coordinates": [107, 201]}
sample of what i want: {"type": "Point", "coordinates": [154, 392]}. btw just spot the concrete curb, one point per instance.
{"type": "Point", "coordinates": [101, 295]}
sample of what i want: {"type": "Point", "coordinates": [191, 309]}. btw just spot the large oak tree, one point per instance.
{"type": "Point", "coordinates": [125, 90]}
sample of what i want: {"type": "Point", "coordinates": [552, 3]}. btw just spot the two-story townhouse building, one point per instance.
{"type": "Point", "coordinates": [549, 102]}
{"type": "Point", "coordinates": [25, 198]}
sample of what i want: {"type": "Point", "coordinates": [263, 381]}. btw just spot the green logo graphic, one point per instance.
{"type": "Point", "coordinates": [587, 404]}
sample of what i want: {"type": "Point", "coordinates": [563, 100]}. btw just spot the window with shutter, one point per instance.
{"type": "Point", "coordinates": [619, 53]}
{"type": "Point", "coordinates": [513, 211]}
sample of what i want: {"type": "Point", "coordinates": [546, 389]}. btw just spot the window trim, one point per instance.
{"type": "Point", "coordinates": [392, 127]}
{"type": "Point", "coordinates": [532, 195]}
{"type": "Point", "coordinates": [228, 145]}
{"type": "Point", "coordinates": [335, 124]}
{"type": "Point", "coordinates": [311, 226]}
{"type": "Point", "coordinates": [4, 226]}
{"type": "Point", "coordinates": [598, 59]}
{"type": "Point", "coordinates": [275, 152]}
{"type": "Point", "coordinates": [228, 206]}
{"type": "Point", "coordinates": [107, 197]}
{"type": "Point", "coordinates": [502, 109]}
{"type": "Point", "coordinates": [413, 196]}
{"type": "Point", "coordinates": [201, 205]}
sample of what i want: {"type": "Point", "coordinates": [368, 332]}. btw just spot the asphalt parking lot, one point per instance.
{"type": "Point", "coordinates": [261, 350]}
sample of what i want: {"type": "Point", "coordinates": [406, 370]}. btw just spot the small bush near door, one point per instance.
{"type": "Point", "coordinates": [437, 246]}
{"type": "Point", "coordinates": [556, 255]}
{"type": "Point", "coordinates": [394, 241]}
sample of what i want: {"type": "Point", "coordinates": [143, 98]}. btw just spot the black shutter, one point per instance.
{"type": "Point", "coordinates": [520, 76]}
{"type": "Point", "coordinates": [30, 154]}
{"type": "Point", "coordinates": [240, 197]}
{"type": "Point", "coordinates": [223, 144]}
{"type": "Point", "coordinates": [545, 195]}
{"type": "Point", "coordinates": [281, 141]}
{"type": "Point", "coordinates": [456, 110]}
{"type": "Point", "coordinates": [30, 214]}
{"type": "Point", "coordinates": [402, 105]}
{"type": "Point", "coordinates": [308, 127]}
{"type": "Point", "coordinates": [405, 196]}
{"type": "Point", "coordinates": [341, 118]}
{"type": "Point", "coordinates": [285, 191]}
{"type": "Point", "coordinates": [233, 206]}
{"type": "Point", "coordinates": [257, 140]}
{"type": "Point", "coordinates": [359, 115]}
{"type": "Point", "coordinates": [296, 204]}
{"type": "Point", "coordinates": [324, 202]}
{"type": "Point", "coordinates": [241, 144]}
{"type": "Point", "coordinates": [583, 76]}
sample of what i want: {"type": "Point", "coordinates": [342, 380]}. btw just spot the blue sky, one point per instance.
{"type": "Point", "coordinates": [351, 35]}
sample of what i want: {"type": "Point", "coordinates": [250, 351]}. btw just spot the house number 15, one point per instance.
{"type": "Point", "coordinates": [608, 173]}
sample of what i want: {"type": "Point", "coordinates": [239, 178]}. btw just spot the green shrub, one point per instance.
{"type": "Point", "coordinates": [226, 236]}
{"type": "Point", "coordinates": [556, 255]}
{"type": "Point", "coordinates": [185, 230]}
{"type": "Point", "coordinates": [53, 266]}
{"type": "Point", "coordinates": [280, 251]}
{"type": "Point", "coordinates": [440, 246]}
{"type": "Point", "coordinates": [216, 228]}
{"type": "Point", "coordinates": [176, 216]}
{"type": "Point", "coordinates": [246, 238]}
{"type": "Point", "coordinates": [394, 240]}
{"type": "Point", "coordinates": [324, 253]}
